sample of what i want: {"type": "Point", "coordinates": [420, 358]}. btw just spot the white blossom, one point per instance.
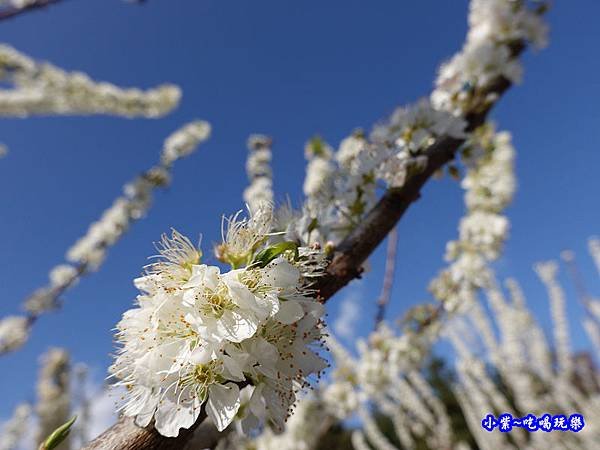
{"type": "Point", "coordinates": [258, 168]}
{"type": "Point", "coordinates": [41, 88]}
{"type": "Point", "coordinates": [303, 430]}
{"type": "Point", "coordinates": [484, 230]}
{"type": "Point", "coordinates": [505, 21]}
{"type": "Point", "coordinates": [495, 28]}
{"type": "Point", "coordinates": [15, 429]}
{"type": "Point", "coordinates": [341, 399]}
{"type": "Point", "coordinates": [242, 236]}
{"type": "Point", "coordinates": [547, 271]}
{"type": "Point", "coordinates": [14, 331]}
{"type": "Point", "coordinates": [489, 185]}
{"type": "Point", "coordinates": [184, 141]}
{"type": "Point", "coordinates": [62, 274]}
{"type": "Point", "coordinates": [199, 332]}
{"type": "Point", "coordinates": [320, 169]}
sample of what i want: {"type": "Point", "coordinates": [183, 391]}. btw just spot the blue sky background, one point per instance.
{"type": "Point", "coordinates": [289, 69]}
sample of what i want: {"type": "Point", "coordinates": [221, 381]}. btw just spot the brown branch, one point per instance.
{"type": "Point", "coordinates": [388, 277]}
{"type": "Point", "coordinates": [126, 435]}
{"type": "Point", "coordinates": [346, 263]}
{"type": "Point", "coordinates": [9, 13]}
{"type": "Point", "coordinates": [353, 251]}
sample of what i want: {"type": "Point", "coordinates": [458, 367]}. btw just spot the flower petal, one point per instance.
{"type": "Point", "coordinates": [290, 311]}
{"type": "Point", "coordinates": [237, 325]}
{"type": "Point", "coordinates": [280, 273]}
{"type": "Point", "coordinates": [223, 404]}
{"type": "Point", "coordinates": [175, 411]}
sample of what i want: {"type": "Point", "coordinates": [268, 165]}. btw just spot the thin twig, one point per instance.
{"type": "Point", "coordinates": [576, 277]}
{"type": "Point", "coordinates": [11, 12]}
{"type": "Point", "coordinates": [388, 278]}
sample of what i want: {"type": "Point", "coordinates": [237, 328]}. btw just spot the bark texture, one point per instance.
{"type": "Point", "coordinates": [126, 435]}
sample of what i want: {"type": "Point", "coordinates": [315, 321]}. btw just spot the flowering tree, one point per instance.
{"type": "Point", "coordinates": [241, 342]}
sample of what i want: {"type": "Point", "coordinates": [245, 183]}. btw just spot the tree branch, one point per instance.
{"type": "Point", "coordinates": [346, 264]}
{"type": "Point", "coordinates": [353, 251]}
{"type": "Point", "coordinates": [11, 12]}
{"type": "Point", "coordinates": [388, 277]}
{"type": "Point", "coordinates": [126, 435]}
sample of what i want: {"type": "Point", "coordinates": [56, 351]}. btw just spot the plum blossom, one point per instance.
{"type": "Point", "coordinates": [505, 21]}
{"type": "Point", "coordinates": [15, 429]}
{"type": "Point", "coordinates": [14, 331]}
{"type": "Point", "coordinates": [259, 172]}
{"type": "Point", "coordinates": [199, 334]}
{"type": "Point", "coordinates": [489, 185]}
{"type": "Point", "coordinates": [39, 88]}
{"type": "Point", "coordinates": [496, 29]}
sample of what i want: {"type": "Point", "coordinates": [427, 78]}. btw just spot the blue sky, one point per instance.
{"type": "Point", "coordinates": [289, 69]}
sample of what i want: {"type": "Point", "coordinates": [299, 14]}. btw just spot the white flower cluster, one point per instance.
{"type": "Point", "coordinates": [539, 373]}
{"type": "Point", "coordinates": [184, 142]}
{"type": "Point", "coordinates": [341, 186]}
{"type": "Point", "coordinates": [41, 88]}
{"type": "Point", "coordinates": [547, 271]}
{"type": "Point", "coordinates": [382, 358]}
{"type": "Point", "coordinates": [14, 331]}
{"type": "Point", "coordinates": [302, 431]}
{"type": "Point", "coordinates": [505, 21]}
{"type": "Point", "coordinates": [495, 28]}
{"type": "Point", "coordinates": [53, 391]}
{"type": "Point", "coordinates": [199, 334]}
{"type": "Point", "coordinates": [61, 277]}
{"type": "Point", "coordinates": [260, 175]}
{"type": "Point", "coordinates": [502, 342]}
{"type": "Point", "coordinates": [16, 427]}
{"type": "Point", "coordinates": [386, 374]}
{"type": "Point", "coordinates": [407, 134]}
{"type": "Point", "coordinates": [489, 184]}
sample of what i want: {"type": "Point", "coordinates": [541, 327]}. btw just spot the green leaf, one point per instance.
{"type": "Point", "coordinates": [267, 255]}
{"type": "Point", "coordinates": [58, 435]}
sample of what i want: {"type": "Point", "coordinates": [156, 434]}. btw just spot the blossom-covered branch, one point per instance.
{"type": "Point", "coordinates": [88, 253]}
{"type": "Point", "coordinates": [260, 174]}
{"type": "Point", "coordinates": [16, 427]}
{"type": "Point", "coordinates": [338, 222]}
{"type": "Point", "coordinates": [39, 88]}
